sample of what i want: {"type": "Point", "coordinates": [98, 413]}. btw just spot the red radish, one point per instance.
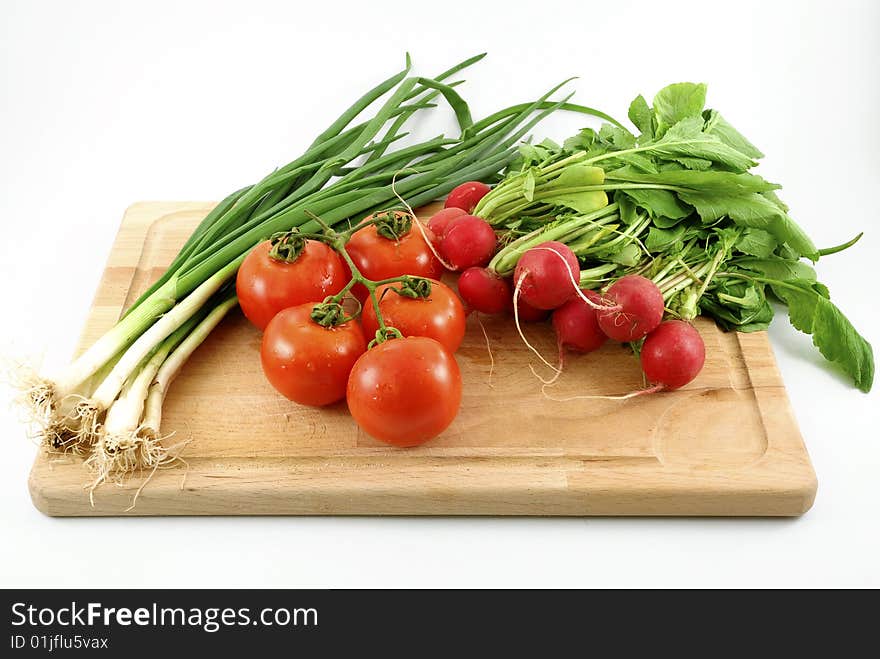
{"type": "Point", "coordinates": [529, 314]}
{"type": "Point", "coordinates": [547, 275]}
{"type": "Point", "coordinates": [483, 290]}
{"type": "Point", "coordinates": [576, 325]}
{"type": "Point", "coordinates": [439, 222]}
{"type": "Point", "coordinates": [467, 195]}
{"type": "Point", "coordinates": [673, 354]}
{"type": "Point", "coordinates": [468, 241]}
{"type": "Point", "coordinates": [640, 309]}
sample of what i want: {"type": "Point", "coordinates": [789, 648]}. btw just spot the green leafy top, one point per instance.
{"type": "Point", "coordinates": [676, 103]}
{"type": "Point", "coordinates": [678, 202]}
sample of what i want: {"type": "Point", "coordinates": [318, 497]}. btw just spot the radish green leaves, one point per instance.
{"type": "Point", "coordinates": [684, 208]}
{"type": "Point", "coordinates": [812, 312]}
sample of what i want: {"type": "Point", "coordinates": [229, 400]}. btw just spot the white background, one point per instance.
{"type": "Point", "coordinates": [107, 103]}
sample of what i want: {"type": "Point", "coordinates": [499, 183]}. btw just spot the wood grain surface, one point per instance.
{"type": "Point", "coordinates": [727, 444]}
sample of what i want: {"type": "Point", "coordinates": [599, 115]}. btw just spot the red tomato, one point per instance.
{"type": "Point", "coordinates": [266, 286]}
{"type": "Point", "coordinates": [467, 195]}
{"type": "Point", "coordinates": [405, 391]}
{"type": "Point", "coordinates": [441, 219]}
{"type": "Point", "coordinates": [439, 316]}
{"type": "Point", "coordinates": [378, 257]}
{"type": "Point", "coordinates": [306, 362]}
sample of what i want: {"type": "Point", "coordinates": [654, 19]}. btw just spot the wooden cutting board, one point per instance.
{"type": "Point", "coordinates": [727, 444]}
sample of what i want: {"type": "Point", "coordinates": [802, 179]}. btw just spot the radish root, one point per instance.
{"type": "Point", "coordinates": [559, 368]}
{"type": "Point", "coordinates": [641, 392]}
{"type": "Point", "coordinates": [516, 292]}
{"type": "Point", "coordinates": [489, 350]}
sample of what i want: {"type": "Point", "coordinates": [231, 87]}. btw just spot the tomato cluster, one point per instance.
{"type": "Point", "coordinates": [395, 368]}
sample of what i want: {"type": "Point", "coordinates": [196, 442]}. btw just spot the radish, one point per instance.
{"type": "Point", "coordinates": [671, 357]}
{"type": "Point", "coordinates": [639, 312]}
{"type": "Point", "coordinates": [547, 275]}
{"type": "Point", "coordinates": [468, 241]}
{"type": "Point", "coordinates": [483, 290]}
{"type": "Point", "coordinates": [439, 222]}
{"type": "Point", "coordinates": [577, 327]}
{"type": "Point", "coordinates": [529, 314]}
{"type": "Point", "coordinates": [673, 354]}
{"type": "Point", "coordinates": [467, 195]}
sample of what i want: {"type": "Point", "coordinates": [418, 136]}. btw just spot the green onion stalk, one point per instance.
{"type": "Point", "coordinates": [108, 401]}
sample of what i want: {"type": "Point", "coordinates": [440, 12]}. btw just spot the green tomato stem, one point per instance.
{"type": "Point", "coordinates": [338, 241]}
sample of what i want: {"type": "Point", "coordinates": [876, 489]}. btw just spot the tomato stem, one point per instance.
{"type": "Point", "coordinates": [383, 334]}
{"type": "Point", "coordinates": [411, 286]}
{"type": "Point", "coordinates": [392, 224]}
{"type": "Point", "coordinates": [287, 246]}
{"type": "Point", "coordinates": [330, 314]}
{"type": "Point", "coordinates": [414, 287]}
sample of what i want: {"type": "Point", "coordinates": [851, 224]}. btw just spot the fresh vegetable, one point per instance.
{"type": "Point", "coordinates": [405, 391]}
{"type": "Point", "coordinates": [673, 354]}
{"type": "Point", "coordinates": [203, 323]}
{"type": "Point", "coordinates": [467, 195]}
{"type": "Point", "coordinates": [467, 242]}
{"type": "Point", "coordinates": [441, 219]}
{"type": "Point", "coordinates": [675, 202]}
{"type": "Point", "coordinates": [130, 432]}
{"type": "Point", "coordinates": [672, 220]}
{"type": "Point", "coordinates": [577, 326]}
{"type": "Point", "coordinates": [287, 271]}
{"type": "Point", "coordinates": [391, 248]}
{"type": "Point", "coordinates": [484, 291]}
{"type": "Point", "coordinates": [349, 171]}
{"type": "Point", "coordinates": [526, 313]}
{"type": "Point", "coordinates": [307, 357]}
{"type": "Point", "coordinates": [547, 275]}
{"type": "Point", "coordinates": [640, 309]}
{"type": "Point", "coordinates": [419, 307]}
